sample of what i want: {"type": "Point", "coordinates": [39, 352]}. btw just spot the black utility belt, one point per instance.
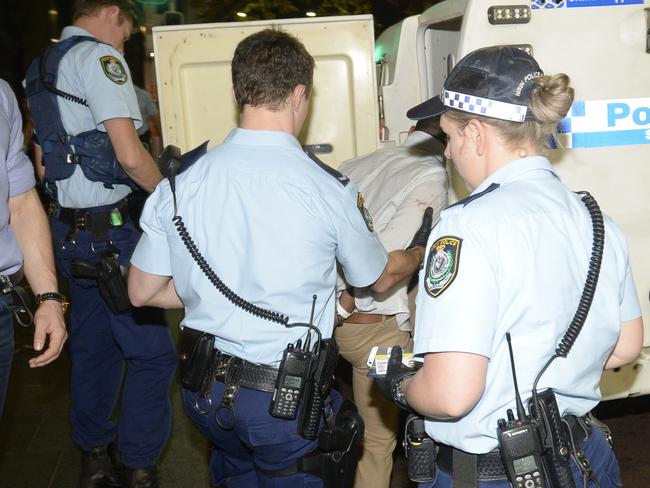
{"type": "Point", "coordinates": [489, 466]}
{"type": "Point", "coordinates": [98, 220]}
{"type": "Point", "coordinates": [201, 364]}
{"type": "Point", "coordinates": [255, 376]}
{"type": "Point", "coordinates": [86, 219]}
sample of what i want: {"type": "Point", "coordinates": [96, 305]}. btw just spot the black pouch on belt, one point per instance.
{"type": "Point", "coordinates": [110, 281]}
{"type": "Point", "coordinates": [197, 354]}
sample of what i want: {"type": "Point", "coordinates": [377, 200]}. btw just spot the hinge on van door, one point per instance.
{"type": "Point", "coordinates": [383, 80]}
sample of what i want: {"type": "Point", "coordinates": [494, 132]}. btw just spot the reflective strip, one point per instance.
{"type": "Point", "coordinates": [484, 106]}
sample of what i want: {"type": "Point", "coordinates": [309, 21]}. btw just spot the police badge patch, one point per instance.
{"type": "Point", "coordinates": [442, 265]}
{"type": "Point", "coordinates": [113, 69]}
{"type": "Point", "coordinates": [364, 212]}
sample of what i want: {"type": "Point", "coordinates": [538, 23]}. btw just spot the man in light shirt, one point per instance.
{"type": "Point", "coordinates": [398, 184]}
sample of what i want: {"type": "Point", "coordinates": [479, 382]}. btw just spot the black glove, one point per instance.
{"type": "Point", "coordinates": [421, 236]}
{"type": "Point", "coordinates": [395, 373]}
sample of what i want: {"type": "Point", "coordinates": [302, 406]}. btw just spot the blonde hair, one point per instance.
{"type": "Point", "coordinates": [549, 103]}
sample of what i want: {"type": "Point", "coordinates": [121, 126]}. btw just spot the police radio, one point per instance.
{"type": "Point", "coordinates": [295, 371]}
{"type": "Point", "coordinates": [290, 385]}
{"type": "Point", "coordinates": [520, 444]}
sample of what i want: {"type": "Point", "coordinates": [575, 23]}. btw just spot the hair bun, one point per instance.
{"type": "Point", "coordinates": [552, 98]}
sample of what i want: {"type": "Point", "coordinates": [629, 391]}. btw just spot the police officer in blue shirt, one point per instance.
{"type": "Point", "coordinates": [272, 223]}
{"type": "Point", "coordinates": [512, 258]}
{"type": "Point", "coordinates": [85, 115]}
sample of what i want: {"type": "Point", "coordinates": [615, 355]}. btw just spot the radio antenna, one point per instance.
{"type": "Point", "coordinates": [311, 323]}
{"type": "Point", "coordinates": [521, 411]}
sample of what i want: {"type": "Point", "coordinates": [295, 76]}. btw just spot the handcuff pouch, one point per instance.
{"type": "Point", "coordinates": [197, 357]}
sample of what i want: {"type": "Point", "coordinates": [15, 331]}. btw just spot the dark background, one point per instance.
{"type": "Point", "coordinates": [27, 26]}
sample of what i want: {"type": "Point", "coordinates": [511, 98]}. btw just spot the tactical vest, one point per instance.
{"type": "Point", "coordinates": [92, 150]}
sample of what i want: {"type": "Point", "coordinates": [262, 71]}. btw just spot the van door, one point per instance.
{"type": "Point", "coordinates": [603, 45]}
{"type": "Point", "coordinates": [195, 88]}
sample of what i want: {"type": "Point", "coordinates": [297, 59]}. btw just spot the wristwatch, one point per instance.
{"type": "Point", "coordinates": [53, 295]}
{"type": "Point", "coordinates": [398, 396]}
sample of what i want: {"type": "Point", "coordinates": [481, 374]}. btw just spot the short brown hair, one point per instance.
{"type": "Point", "coordinates": [83, 8]}
{"type": "Point", "coordinates": [267, 66]}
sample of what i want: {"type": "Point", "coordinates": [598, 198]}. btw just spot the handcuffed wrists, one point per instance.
{"type": "Point", "coordinates": [342, 311]}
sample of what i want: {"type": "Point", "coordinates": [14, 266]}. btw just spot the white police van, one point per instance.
{"type": "Point", "coordinates": [364, 86]}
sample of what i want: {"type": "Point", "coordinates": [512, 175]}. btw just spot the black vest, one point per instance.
{"type": "Point", "coordinates": [92, 150]}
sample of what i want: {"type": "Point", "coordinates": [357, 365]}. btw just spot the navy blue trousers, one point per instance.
{"type": "Point", "coordinates": [6, 345]}
{"type": "Point", "coordinates": [101, 344]}
{"type": "Point", "coordinates": [255, 440]}
{"type": "Point", "coordinates": [600, 455]}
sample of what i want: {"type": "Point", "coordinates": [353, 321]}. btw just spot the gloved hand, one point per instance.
{"type": "Point", "coordinates": [421, 236]}
{"type": "Point", "coordinates": [395, 373]}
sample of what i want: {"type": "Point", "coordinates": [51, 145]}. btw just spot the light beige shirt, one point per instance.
{"type": "Point", "coordinates": [398, 183]}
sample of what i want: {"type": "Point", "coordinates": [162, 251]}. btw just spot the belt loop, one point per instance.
{"type": "Point", "coordinates": [72, 229]}
{"type": "Point", "coordinates": [464, 469]}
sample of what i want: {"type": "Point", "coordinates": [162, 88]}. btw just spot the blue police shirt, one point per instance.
{"type": "Point", "coordinates": [515, 259]}
{"type": "Point", "coordinates": [271, 223]}
{"type": "Point", "coordinates": [82, 73]}
{"type": "Point", "coordinates": [16, 176]}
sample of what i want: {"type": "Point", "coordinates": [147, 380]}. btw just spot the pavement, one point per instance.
{"type": "Point", "coordinates": [36, 450]}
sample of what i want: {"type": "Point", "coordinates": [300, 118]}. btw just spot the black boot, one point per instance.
{"type": "Point", "coordinates": [141, 477]}
{"type": "Point", "coordinates": [98, 470]}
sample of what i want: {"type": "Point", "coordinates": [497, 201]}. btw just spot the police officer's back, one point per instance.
{"type": "Point", "coordinates": [520, 256]}
{"type": "Point", "coordinates": [270, 222]}
{"type": "Point", "coordinates": [85, 113]}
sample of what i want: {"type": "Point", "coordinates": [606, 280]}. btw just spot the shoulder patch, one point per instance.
{"type": "Point", "coordinates": [340, 177]}
{"type": "Point", "coordinates": [442, 265]}
{"type": "Point", "coordinates": [466, 201]}
{"type": "Point", "coordinates": [364, 212]}
{"type": "Point", "coordinates": [113, 69]}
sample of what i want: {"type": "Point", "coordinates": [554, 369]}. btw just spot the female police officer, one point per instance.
{"type": "Point", "coordinates": [512, 258]}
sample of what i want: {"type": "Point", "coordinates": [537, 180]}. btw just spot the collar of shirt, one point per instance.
{"type": "Point", "coordinates": [250, 137]}
{"type": "Point", "coordinates": [73, 30]}
{"type": "Point", "coordinates": [514, 170]}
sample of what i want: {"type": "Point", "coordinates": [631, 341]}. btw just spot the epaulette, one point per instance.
{"type": "Point", "coordinates": [340, 177]}
{"type": "Point", "coordinates": [192, 156]}
{"type": "Point", "coordinates": [466, 201]}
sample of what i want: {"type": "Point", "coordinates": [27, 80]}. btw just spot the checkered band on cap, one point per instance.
{"type": "Point", "coordinates": [484, 106]}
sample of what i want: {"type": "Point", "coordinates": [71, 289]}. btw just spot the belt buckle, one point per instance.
{"type": "Point", "coordinates": [80, 220]}
{"type": "Point", "coordinates": [71, 158]}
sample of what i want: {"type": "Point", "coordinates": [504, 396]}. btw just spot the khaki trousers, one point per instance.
{"type": "Point", "coordinates": [381, 416]}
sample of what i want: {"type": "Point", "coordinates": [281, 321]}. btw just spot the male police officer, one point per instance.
{"type": "Point", "coordinates": [271, 222]}
{"type": "Point", "coordinates": [27, 235]}
{"type": "Point", "coordinates": [84, 110]}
